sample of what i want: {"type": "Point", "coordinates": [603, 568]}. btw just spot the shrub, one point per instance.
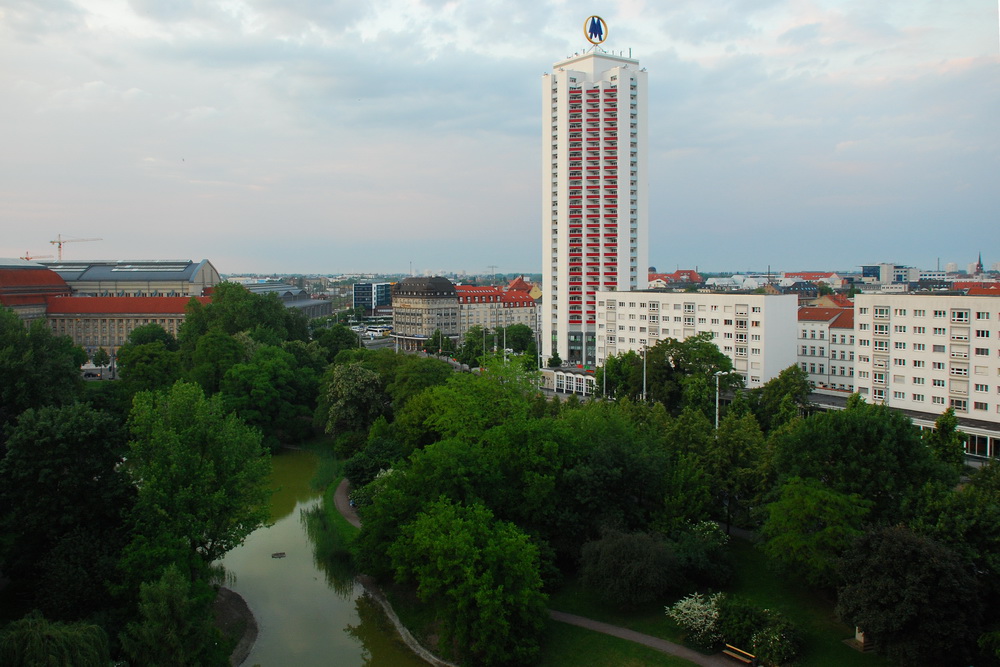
{"type": "Point", "coordinates": [778, 643]}
{"type": "Point", "coordinates": [698, 615]}
{"type": "Point", "coordinates": [629, 569]}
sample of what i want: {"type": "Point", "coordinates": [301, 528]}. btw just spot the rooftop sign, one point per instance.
{"type": "Point", "coordinates": [596, 29]}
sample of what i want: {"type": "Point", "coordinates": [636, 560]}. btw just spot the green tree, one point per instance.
{"type": "Point", "coordinates": [355, 396]}
{"type": "Point", "coordinates": [202, 479]}
{"type": "Point", "coordinates": [175, 627]}
{"type": "Point", "coordinates": [782, 398]}
{"type": "Point", "coordinates": [555, 361]}
{"type": "Point", "coordinates": [809, 527]}
{"type": "Point", "coordinates": [414, 375]}
{"type": "Point", "coordinates": [629, 569]}
{"type": "Point", "coordinates": [438, 343]}
{"type": "Point", "coordinates": [101, 357]}
{"type": "Point", "coordinates": [733, 462]}
{"type": "Point", "coordinates": [334, 339]}
{"type": "Point", "coordinates": [263, 393]}
{"type": "Point", "coordinates": [152, 333]}
{"type": "Point", "coordinates": [33, 641]}
{"type": "Point", "coordinates": [915, 598]}
{"type": "Point", "coordinates": [38, 367]}
{"type": "Point", "coordinates": [868, 450]}
{"type": "Point", "coordinates": [682, 373]}
{"type": "Point", "coordinates": [214, 354]}
{"type": "Point", "coordinates": [60, 476]}
{"type": "Point", "coordinates": [148, 366]}
{"type": "Point", "coordinates": [946, 442]}
{"type": "Point", "coordinates": [480, 576]}
{"type": "Point", "coordinates": [518, 337]}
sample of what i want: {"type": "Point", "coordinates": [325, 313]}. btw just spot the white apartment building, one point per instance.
{"type": "Point", "coordinates": [926, 353]}
{"type": "Point", "coordinates": [594, 195]}
{"type": "Point", "coordinates": [756, 331]}
{"type": "Point", "coordinates": [826, 347]}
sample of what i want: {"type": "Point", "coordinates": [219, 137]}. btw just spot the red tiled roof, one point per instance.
{"type": "Point", "coordinates": [822, 314]}
{"type": "Point", "coordinates": [984, 291]}
{"type": "Point", "coordinates": [845, 320]}
{"type": "Point", "coordinates": [120, 305]}
{"type": "Point", "coordinates": [30, 277]}
{"type": "Point", "coordinates": [519, 284]}
{"type": "Point", "coordinates": [810, 276]}
{"type": "Point", "coordinates": [969, 284]}
{"type": "Point", "coordinates": [841, 300]}
{"type": "Point", "coordinates": [679, 276]}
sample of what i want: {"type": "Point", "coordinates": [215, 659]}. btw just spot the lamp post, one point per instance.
{"type": "Point", "coordinates": [718, 374]}
{"type": "Point", "coordinates": [643, 373]}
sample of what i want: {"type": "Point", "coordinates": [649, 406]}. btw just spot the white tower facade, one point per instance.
{"type": "Point", "coordinates": [594, 195]}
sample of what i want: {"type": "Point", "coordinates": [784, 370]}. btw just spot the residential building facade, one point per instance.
{"type": "Point", "coordinates": [594, 195]}
{"type": "Point", "coordinates": [756, 331]}
{"type": "Point", "coordinates": [494, 307]}
{"type": "Point", "coordinates": [826, 347]}
{"type": "Point", "coordinates": [421, 306]}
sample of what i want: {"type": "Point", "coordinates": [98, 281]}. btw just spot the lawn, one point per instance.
{"type": "Point", "coordinates": [822, 632]}
{"type": "Point", "coordinates": [569, 646]}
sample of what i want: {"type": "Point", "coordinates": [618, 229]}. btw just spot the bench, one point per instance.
{"type": "Point", "coordinates": [745, 657]}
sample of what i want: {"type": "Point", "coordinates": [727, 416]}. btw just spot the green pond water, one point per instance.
{"type": "Point", "coordinates": [309, 611]}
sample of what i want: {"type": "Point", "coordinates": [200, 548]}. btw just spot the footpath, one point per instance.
{"type": "Point", "coordinates": [343, 504]}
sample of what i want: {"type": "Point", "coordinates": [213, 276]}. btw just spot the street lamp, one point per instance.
{"type": "Point", "coordinates": [644, 373]}
{"type": "Point", "coordinates": [718, 374]}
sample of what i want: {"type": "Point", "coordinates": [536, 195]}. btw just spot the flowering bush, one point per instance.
{"type": "Point", "coordinates": [778, 642]}
{"type": "Point", "coordinates": [699, 616]}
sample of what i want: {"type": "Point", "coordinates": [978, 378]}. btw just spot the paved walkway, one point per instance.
{"type": "Point", "coordinates": [661, 645]}
{"type": "Point", "coordinates": [341, 499]}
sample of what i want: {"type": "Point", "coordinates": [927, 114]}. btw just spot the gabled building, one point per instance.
{"type": "Point", "coordinates": [825, 343]}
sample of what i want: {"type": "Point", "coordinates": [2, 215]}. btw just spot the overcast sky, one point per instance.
{"type": "Point", "coordinates": [341, 135]}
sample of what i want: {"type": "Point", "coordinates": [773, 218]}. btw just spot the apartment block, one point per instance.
{"type": "Point", "coordinates": [825, 347]}
{"type": "Point", "coordinates": [926, 353]}
{"type": "Point", "coordinates": [756, 331]}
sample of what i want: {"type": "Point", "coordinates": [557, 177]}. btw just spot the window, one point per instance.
{"type": "Point", "coordinates": [899, 394]}
{"type": "Point", "coordinates": [918, 363]}
{"type": "Point", "coordinates": [918, 380]}
{"type": "Point", "coordinates": [919, 346]}
{"type": "Point", "coordinates": [937, 400]}
{"type": "Point", "coordinates": [900, 345]}
{"type": "Point", "coordinates": [937, 365]}
{"type": "Point", "coordinates": [864, 311]}
{"type": "Point", "coordinates": [982, 333]}
{"type": "Point", "coordinates": [919, 313]}
{"type": "Point", "coordinates": [977, 405]}
{"type": "Point", "coordinates": [982, 316]}
{"type": "Point", "coordinates": [982, 352]}
{"type": "Point", "coordinates": [937, 383]}
{"type": "Point", "coordinates": [940, 331]}
{"type": "Point", "coordinates": [918, 397]}
{"type": "Point", "coordinates": [864, 326]}
{"type": "Point", "coordinates": [881, 346]}
{"type": "Point", "coordinates": [899, 328]}
{"type": "Point", "coordinates": [958, 370]}
{"type": "Point", "coordinates": [862, 374]}
{"type": "Point", "coordinates": [960, 316]}
{"type": "Point", "coordinates": [878, 394]}
{"type": "Point", "coordinates": [983, 388]}
{"type": "Point", "coordinates": [938, 348]}
{"type": "Point", "coordinates": [919, 330]}
{"type": "Point", "coordinates": [940, 313]}
{"type": "Point", "coordinates": [881, 311]}
{"type": "Point", "coordinates": [755, 309]}
{"type": "Point", "coordinates": [899, 362]}
{"type": "Point", "coordinates": [960, 404]}
{"type": "Point", "coordinates": [900, 311]}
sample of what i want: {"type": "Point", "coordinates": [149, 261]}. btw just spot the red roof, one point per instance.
{"type": "Point", "coordinates": [519, 284]}
{"type": "Point", "coordinates": [984, 290]}
{"type": "Point", "coordinates": [970, 284]}
{"type": "Point", "coordinates": [841, 300]}
{"type": "Point", "coordinates": [841, 318]}
{"type": "Point", "coordinates": [120, 305]}
{"type": "Point", "coordinates": [679, 276]}
{"type": "Point", "coordinates": [30, 276]}
{"type": "Point", "coordinates": [810, 276]}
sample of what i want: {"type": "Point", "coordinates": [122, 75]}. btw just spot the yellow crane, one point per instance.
{"type": "Point", "coordinates": [27, 256]}
{"type": "Point", "coordinates": [60, 240]}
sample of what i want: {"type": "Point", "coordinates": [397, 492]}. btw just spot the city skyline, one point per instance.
{"type": "Point", "coordinates": [338, 138]}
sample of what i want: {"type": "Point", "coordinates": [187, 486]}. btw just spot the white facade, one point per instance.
{"type": "Point", "coordinates": [756, 331]}
{"type": "Point", "coordinates": [825, 346]}
{"type": "Point", "coordinates": [928, 352]}
{"type": "Point", "coordinates": [594, 195]}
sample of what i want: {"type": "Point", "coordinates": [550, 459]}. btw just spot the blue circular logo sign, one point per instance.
{"type": "Point", "coordinates": [596, 29]}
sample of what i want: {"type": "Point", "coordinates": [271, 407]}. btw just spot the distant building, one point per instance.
{"type": "Point", "coordinates": [494, 307]}
{"type": "Point", "coordinates": [25, 287]}
{"type": "Point", "coordinates": [681, 277]}
{"type": "Point", "coordinates": [421, 306]}
{"type": "Point", "coordinates": [294, 297]}
{"type": "Point", "coordinates": [95, 322]}
{"type": "Point", "coordinates": [372, 296]}
{"type": "Point", "coordinates": [756, 331]}
{"type": "Point", "coordinates": [153, 277]}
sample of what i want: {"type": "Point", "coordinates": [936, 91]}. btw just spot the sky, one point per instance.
{"type": "Point", "coordinates": [337, 136]}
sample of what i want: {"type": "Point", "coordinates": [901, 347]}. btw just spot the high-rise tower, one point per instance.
{"type": "Point", "coordinates": [594, 192]}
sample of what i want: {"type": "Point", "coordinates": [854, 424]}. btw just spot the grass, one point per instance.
{"type": "Point", "coordinates": [822, 632]}
{"type": "Point", "coordinates": [569, 646]}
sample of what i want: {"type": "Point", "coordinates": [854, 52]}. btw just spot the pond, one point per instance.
{"type": "Point", "coordinates": [309, 611]}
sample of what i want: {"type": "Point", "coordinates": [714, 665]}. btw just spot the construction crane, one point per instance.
{"type": "Point", "coordinates": [60, 240]}
{"type": "Point", "coordinates": [27, 256]}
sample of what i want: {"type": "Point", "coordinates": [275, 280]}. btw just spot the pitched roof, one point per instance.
{"type": "Point", "coordinates": [120, 305]}
{"type": "Point", "coordinates": [807, 314]}
{"type": "Point", "coordinates": [519, 284]}
{"type": "Point", "coordinates": [678, 276]}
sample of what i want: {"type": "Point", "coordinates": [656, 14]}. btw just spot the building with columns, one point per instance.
{"type": "Point", "coordinates": [594, 192]}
